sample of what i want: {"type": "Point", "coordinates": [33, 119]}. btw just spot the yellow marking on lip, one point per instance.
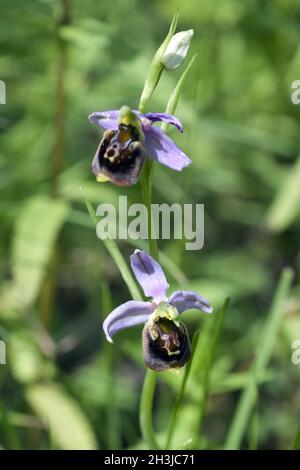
{"type": "Point", "coordinates": [124, 135]}
{"type": "Point", "coordinates": [126, 120]}
{"type": "Point", "coordinates": [101, 178]}
{"type": "Point", "coordinates": [111, 159]}
{"type": "Point", "coordinates": [174, 353]}
{"type": "Point", "coordinates": [165, 310]}
{"type": "Point", "coordinates": [129, 118]}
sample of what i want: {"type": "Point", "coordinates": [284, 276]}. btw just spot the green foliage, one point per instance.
{"type": "Point", "coordinates": [27, 362]}
{"type": "Point", "coordinates": [269, 335]}
{"type": "Point", "coordinates": [58, 281]}
{"type": "Point", "coordinates": [285, 208]}
{"type": "Point", "coordinates": [36, 228]}
{"type": "Point", "coordinates": [117, 257]}
{"type": "Point", "coordinates": [67, 424]}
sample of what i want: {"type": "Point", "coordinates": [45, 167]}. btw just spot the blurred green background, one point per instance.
{"type": "Point", "coordinates": [63, 386]}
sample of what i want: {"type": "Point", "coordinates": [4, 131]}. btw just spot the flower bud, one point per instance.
{"type": "Point", "coordinates": [177, 49]}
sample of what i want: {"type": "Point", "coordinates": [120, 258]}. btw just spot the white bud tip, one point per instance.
{"type": "Point", "coordinates": [177, 49]}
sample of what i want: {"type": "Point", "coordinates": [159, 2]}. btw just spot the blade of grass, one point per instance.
{"type": "Point", "coordinates": [9, 434]}
{"type": "Point", "coordinates": [249, 395]}
{"type": "Point", "coordinates": [181, 393]}
{"type": "Point", "coordinates": [285, 207]}
{"type": "Point", "coordinates": [254, 428]}
{"type": "Point", "coordinates": [203, 349]}
{"type": "Point", "coordinates": [296, 441]}
{"type": "Point", "coordinates": [146, 407]}
{"type": "Point", "coordinates": [236, 381]}
{"type": "Point", "coordinates": [208, 355]}
{"type": "Point", "coordinates": [111, 362]}
{"type": "Point", "coordinates": [174, 98]}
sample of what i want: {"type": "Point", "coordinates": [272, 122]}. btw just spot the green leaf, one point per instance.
{"type": "Point", "coordinates": [180, 395]}
{"type": "Point", "coordinates": [9, 436]}
{"type": "Point", "coordinates": [205, 354]}
{"type": "Point", "coordinates": [26, 359]}
{"type": "Point", "coordinates": [69, 427]}
{"type": "Point", "coordinates": [269, 334]}
{"type": "Point", "coordinates": [296, 441]}
{"type": "Point", "coordinates": [156, 68]}
{"type": "Point", "coordinates": [236, 381]}
{"type": "Point", "coordinates": [196, 380]}
{"type": "Point", "coordinates": [286, 206]}
{"type": "Point", "coordinates": [36, 230]}
{"type": "Point", "coordinates": [174, 98]}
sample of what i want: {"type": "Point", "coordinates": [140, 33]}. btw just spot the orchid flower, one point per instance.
{"type": "Point", "coordinates": [165, 338]}
{"type": "Point", "coordinates": [129, 139]}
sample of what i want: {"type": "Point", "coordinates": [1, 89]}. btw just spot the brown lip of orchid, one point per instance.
{"type": "Point", "coordinates": [165, 338]}
{"type": "Point", "coordinates": [130, 138]}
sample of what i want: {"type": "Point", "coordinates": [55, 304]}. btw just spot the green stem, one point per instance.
{"type": "Point", "coordinates": [146, 403]}
{"type": "Point", "coordinates": [49, 288]}
{"type": "Point", "coordinates": [149, 385]}
{"type": "Point", "coordinates": [146, 183]}
{"type": "Point", "coordinates": [296, 441]}
{"type": "Point", "coordinates": [153, 77]}
{"type": "Point", "coordinates": [8, 433]}
{"type": "Point", "coordinates": [146, 409]}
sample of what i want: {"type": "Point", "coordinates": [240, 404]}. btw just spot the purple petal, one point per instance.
{"type": "Point", "coordinates": [105, 119]}
{"type": "Point", "coordinates": [149, 274]}
{"type": "Point", "coordinates": [165, 117]}
{"type": "Point", "coordinates": [162, 149]}
{"type": "Point", "coordinates": [184, 300]}
{"type": "Point", "coordinates": [129, 314]}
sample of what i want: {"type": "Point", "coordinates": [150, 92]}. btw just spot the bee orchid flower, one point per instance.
{"type": "Point", "coordinates": [130, 138]}
{"type": "Point", "coordinates": [165, 338]}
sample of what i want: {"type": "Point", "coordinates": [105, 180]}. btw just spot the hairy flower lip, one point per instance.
{"type": "Point", "coordinates": [163, 351]}
{"type": "Point", "coordinates": [121, 154]}
{"type": "Point", "coordinates": [157, 145]}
